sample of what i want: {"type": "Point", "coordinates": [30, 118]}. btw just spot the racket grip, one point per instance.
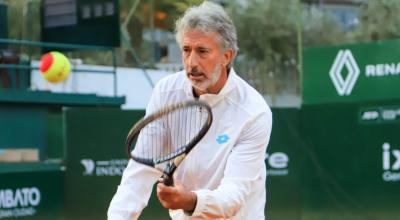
{"type": "Point", "coordinates": [168, 180]}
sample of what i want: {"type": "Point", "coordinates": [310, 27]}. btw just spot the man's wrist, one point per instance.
{"type": "Point", "coordinates": [191, 204]}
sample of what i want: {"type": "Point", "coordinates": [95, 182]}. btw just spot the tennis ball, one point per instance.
{"type": "Point", "coordinates": [54, 67]}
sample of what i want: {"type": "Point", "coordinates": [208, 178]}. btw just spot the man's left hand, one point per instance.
{"type": "Point", "coordinates": [176, 197]}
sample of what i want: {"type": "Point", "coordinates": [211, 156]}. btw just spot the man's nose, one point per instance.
{"type": "Point", "coordinates": [193, 59]}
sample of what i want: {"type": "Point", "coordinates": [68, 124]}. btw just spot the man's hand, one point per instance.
{"type": "Point", "coordinates": [176, 197]}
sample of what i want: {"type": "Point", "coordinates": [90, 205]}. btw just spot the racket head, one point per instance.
{"type": "Point", "coordinates": [174, 121]}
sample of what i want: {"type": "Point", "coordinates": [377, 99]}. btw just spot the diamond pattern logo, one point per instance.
{"type": "Point", "coordinates": [344, 60]}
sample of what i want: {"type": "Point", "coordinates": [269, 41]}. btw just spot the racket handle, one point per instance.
{"type": "Point", "coordinates": [168, 181]}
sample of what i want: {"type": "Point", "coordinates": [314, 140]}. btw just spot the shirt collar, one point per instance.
{"type": "Point", "coordinates": [212, 99]}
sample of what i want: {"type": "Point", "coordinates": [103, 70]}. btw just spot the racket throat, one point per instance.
{"type": "Point", "coordinates": [170, 169]}
{"type": "Point", "coordinates": [168, 180]}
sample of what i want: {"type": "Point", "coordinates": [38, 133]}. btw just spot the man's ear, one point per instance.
{"type": "Point", "coordinates": [228, 56]}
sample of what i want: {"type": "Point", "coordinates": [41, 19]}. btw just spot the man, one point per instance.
{"type": "Point", "coordinates": [223, 177]}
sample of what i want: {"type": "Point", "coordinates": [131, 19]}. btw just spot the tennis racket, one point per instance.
{"type": "Point", "coordinates": [163, 139]}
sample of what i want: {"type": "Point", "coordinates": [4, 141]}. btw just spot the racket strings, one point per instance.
{"type": "Point", "coordinates": [168, 136]}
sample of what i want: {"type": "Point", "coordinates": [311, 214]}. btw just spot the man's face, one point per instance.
{"type": "Point", "coordinates": [204, 61]}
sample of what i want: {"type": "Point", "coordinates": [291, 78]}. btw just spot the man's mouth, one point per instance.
{"type": "Point", "coordinates": [196, 76]}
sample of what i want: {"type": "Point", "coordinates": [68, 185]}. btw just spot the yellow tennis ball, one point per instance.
{"type": "Point", "coordinates": [54, 67]}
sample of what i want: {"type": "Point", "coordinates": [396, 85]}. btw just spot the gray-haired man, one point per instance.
{"type": "Point", "coordinates": [223, 177]}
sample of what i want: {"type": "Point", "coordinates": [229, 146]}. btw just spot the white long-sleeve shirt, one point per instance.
{"type": "Point", "coordinates": [226, 169]}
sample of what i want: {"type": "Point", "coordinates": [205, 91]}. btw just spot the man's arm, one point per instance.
{"type": "Point", "coordinates": [133, 193]}
{"type": "Point", "coordinates": [137, 182]}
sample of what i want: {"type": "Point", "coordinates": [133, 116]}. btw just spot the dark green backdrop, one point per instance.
{"type": "Point", "coordinates": [48, 180]}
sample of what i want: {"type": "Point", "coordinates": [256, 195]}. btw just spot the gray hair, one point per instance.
{"type": "Point", "coordinates": [208, 17]}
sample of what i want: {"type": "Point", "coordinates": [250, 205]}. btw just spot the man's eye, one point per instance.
{"type": "Point", "coordinates": [203, 51]}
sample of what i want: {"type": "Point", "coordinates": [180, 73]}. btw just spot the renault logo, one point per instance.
{"type": "Point", "coordinates": [344, 59]}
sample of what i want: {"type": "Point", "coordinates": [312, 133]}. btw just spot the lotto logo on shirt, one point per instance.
{"type": "Point", "coordinates": [221, 139]}
{"type": "Point", "coordinates": [277, 164]}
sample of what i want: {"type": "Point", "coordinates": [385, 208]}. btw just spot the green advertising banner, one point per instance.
{"type": "Point", "coordinates": [96, 158]}
{"type": "Point", "coordinates": [284, 163]}
{"type": "Point", "coordinates": [355, 72]}
{"type": "Point", "coordinates": [352, 170]}
{"type": "Point", "coordinates": [33, 192]}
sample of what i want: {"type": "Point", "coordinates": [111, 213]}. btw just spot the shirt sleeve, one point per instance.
{"type": "Point", "coordinates": [133, 193]}
{"type": "Point", "coordinates": [244, 166]}
{"type": "Point", "coordinates": [136, 185]}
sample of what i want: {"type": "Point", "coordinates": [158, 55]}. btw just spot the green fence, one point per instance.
{"type": "Point", "coordinates": [352, 166]}
{"type": "Point", "coordinates": [284, 162]}
{"type": "Point", "coordinates": [31, 191]}
{"type": "Point", "coordinates": [95, 159]}
{"type": "Point", "coordinates": [344, 162]}
{"type": "Point", "coordinates": [3, 21]}
{"type": "Point", "coordinates": [15, 66]}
